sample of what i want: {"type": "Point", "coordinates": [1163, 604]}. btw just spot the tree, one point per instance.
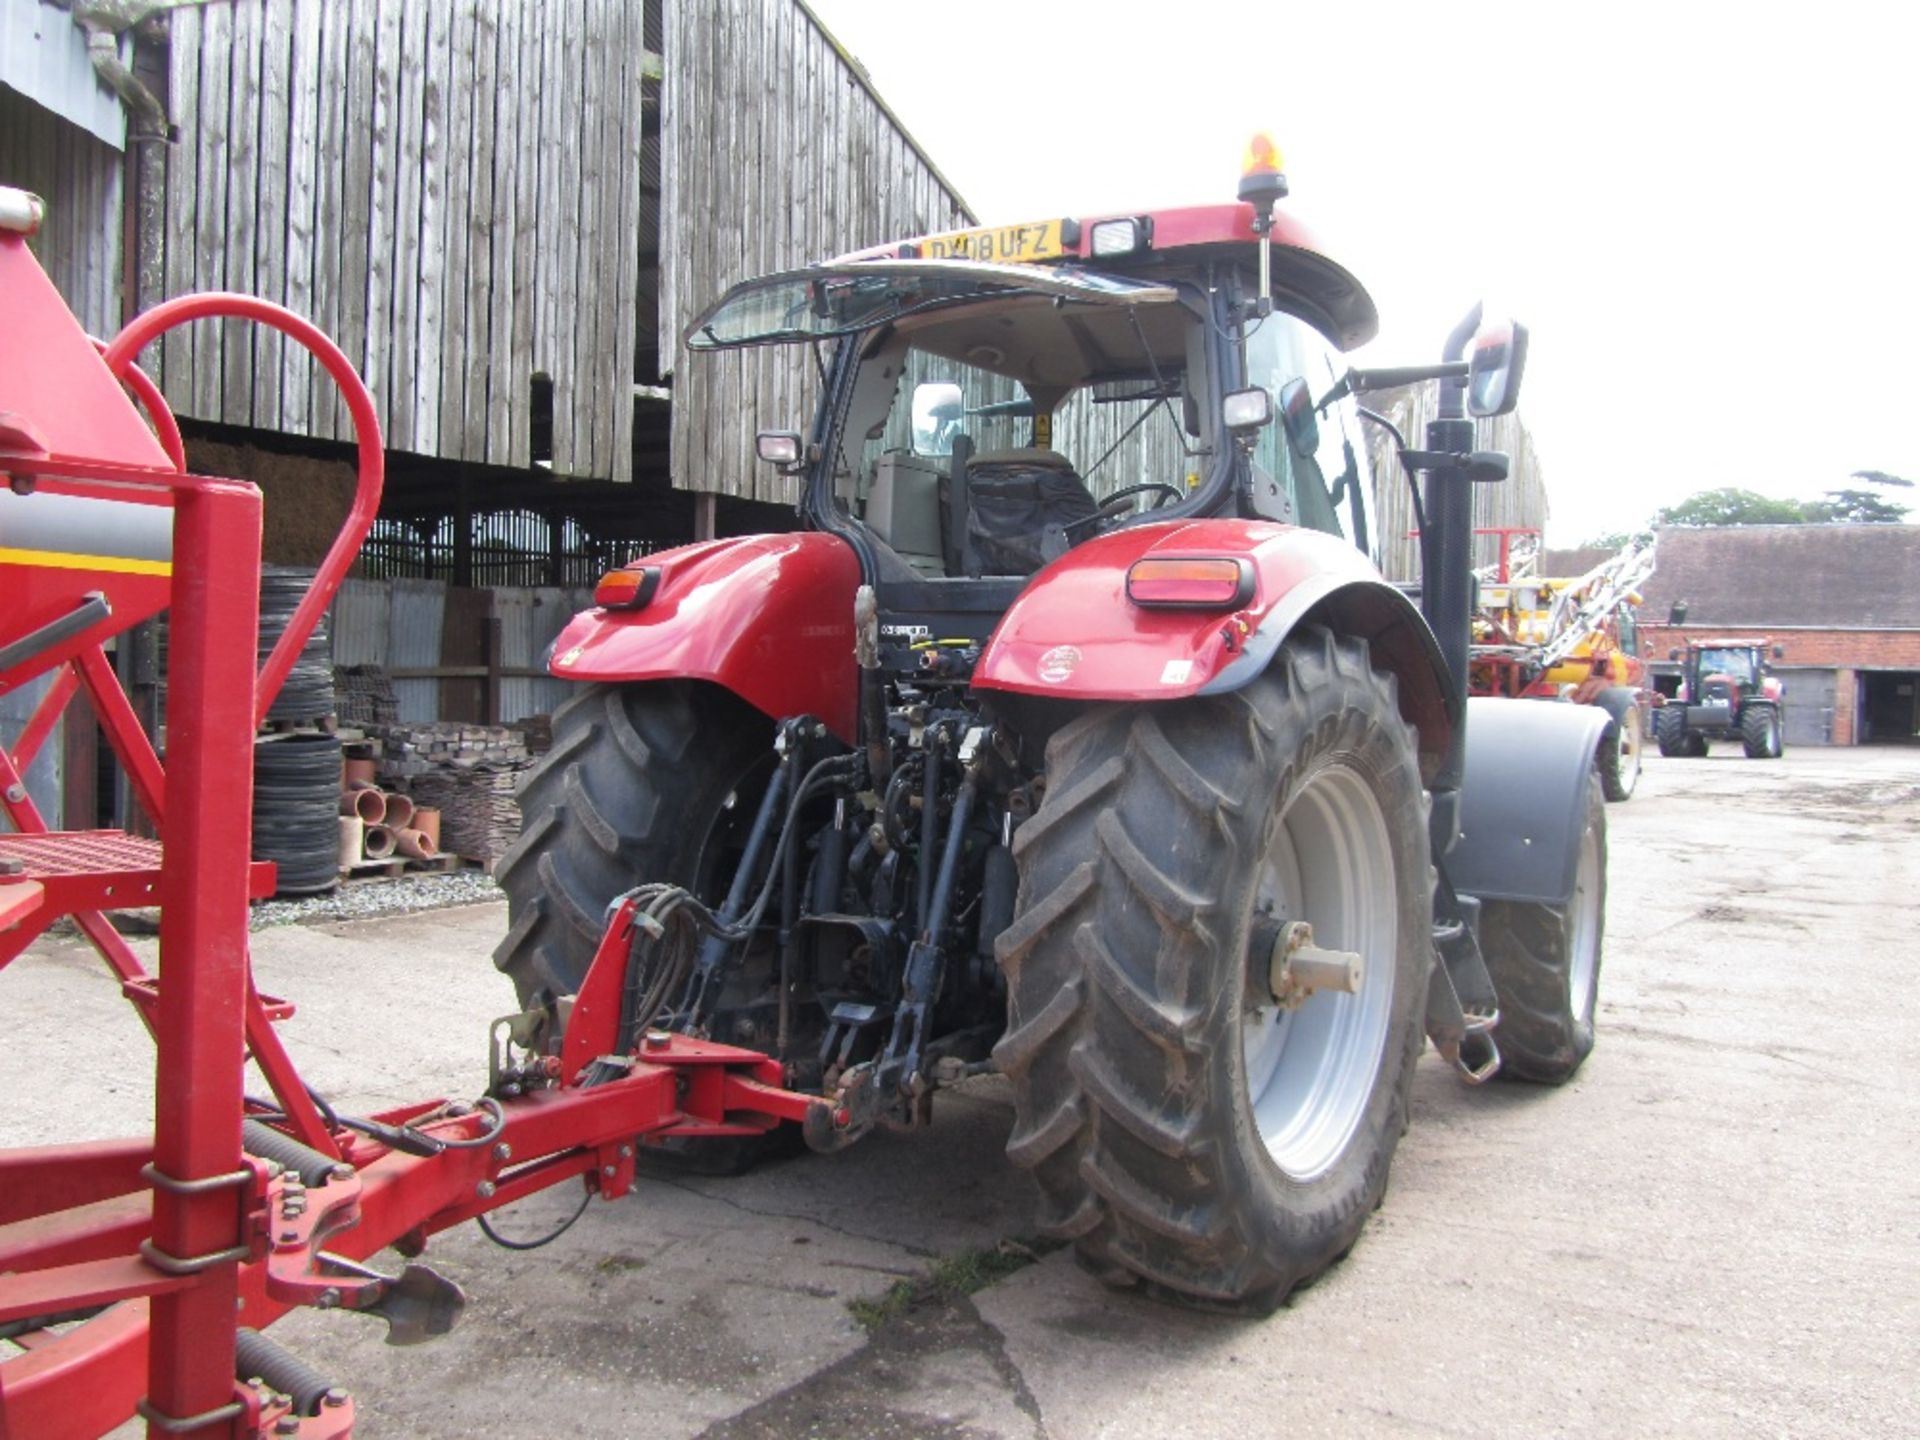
{"type": "Point", "coordinates": [1731, 506]}
{"type": "Point", "coordinates": [1854, 507]}
{"type": "Point", "coordinates": [1881, 477]}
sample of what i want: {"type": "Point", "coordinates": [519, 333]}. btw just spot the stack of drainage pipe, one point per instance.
{"type": "Point", "coordinates": [379, 825]}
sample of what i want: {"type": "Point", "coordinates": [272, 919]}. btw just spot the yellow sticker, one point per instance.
{"type": "Point", "coordinates": [570, 656]}
{"type": "Point", "coordinates": [998, 244]}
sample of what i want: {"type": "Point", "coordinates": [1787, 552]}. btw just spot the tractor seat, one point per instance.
{"type": "Point", "coordinates": [1018, 503]}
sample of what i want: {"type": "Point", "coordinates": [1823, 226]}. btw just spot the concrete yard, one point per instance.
{"type": "Point", "coordinates": [1715, 1230]}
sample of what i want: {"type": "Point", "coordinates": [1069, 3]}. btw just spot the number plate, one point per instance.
{"type": "Point", "coordinates": [1002, 244]}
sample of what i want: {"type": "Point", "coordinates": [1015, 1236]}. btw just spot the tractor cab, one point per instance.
{"type": "Point", "coordinates": [997, 398]}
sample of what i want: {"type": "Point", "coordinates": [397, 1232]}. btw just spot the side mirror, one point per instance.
{"type": "Point", "coordinates": [1296, 413]}
{"type": "Point", "coordinates": [1673, 654]}
{"type": "Point", "coordinates": [1246, 411]}
{"type": "Point", "coordinates": [1779, 652]}
{"type": "Point", "coordinates": [1494, 366]}
{"type": "Point", "coordinates": [779, 447]}
{"type": "Point", "coordinates": [937, 408]}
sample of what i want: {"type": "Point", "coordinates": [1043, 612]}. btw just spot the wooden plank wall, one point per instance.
{"type": "Point", "coordinates": [81, 180]}
{"type": "Point", "coordinates": [776, 154]}
{"type": "Point", "coordinates": [449, 188]}
{"type": "Point", "coordinates": [1520, 500]}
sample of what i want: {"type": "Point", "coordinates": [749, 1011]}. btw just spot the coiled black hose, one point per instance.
{"type": "Point", "coordinates": [308, 693]}
{"type": "Point", "coordinates": [296, 810]}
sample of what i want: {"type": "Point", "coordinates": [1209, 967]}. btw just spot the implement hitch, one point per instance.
{"type": "Point", "coordinates": [136, 1275]}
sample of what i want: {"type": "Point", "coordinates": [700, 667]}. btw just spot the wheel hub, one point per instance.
{"type": "Point", "coordinates": [1311, 1064]}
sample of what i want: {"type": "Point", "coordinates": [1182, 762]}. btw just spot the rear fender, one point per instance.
{"type": "Point", "coordinates": [769, 617]}
{"type": "Point", "coordinates": [1523, 806]}
{"type": "Point", "coordinates": [1074, 635]}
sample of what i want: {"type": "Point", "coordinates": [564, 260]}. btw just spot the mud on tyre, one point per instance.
{"type": "Point", "coordinates": [1186, 1134]}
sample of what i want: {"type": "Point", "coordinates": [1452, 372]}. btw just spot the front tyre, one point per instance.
{"type": "Point", "coordinates": [1618, 756]}
{"type": "Point", "coordinates": [1760, 732]}
{"type": "Point", "coordinates": [1187, 1133]}
{"type": "Point", "coordinates": [1545, 964]}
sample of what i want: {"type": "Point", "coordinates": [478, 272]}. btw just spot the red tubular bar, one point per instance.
{"type": "Point", "coordinates": [366, 425]}
{"type": "Point", "coordinates": [177, 1235]}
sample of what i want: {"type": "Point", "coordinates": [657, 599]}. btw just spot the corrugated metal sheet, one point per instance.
{"type": "Point", "coordinates": [416, 620]}
{"type": "Point", "coordinates": [80, 178]}
{"type": "Point", "coordinates": [1521, 500]}
{"type": "Point", "coordinates": [529, 621]}
{"type": "Point", "coordinates": [399, 624]}
{"type": "Point", "coordinates": [362, 615]}
{"type": "Point", "coordinates": [43, 56]}
{"type": "Point", "coordinates": [43, 776]}
{"type": "Point", "coordinates": [449, 188]}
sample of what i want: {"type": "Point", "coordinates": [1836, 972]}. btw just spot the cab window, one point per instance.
{"type": "Point", "coordinates": [1301, 470]}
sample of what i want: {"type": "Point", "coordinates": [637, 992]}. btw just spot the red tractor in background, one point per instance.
{"type": "Point", "coordinates": [1728, 691]}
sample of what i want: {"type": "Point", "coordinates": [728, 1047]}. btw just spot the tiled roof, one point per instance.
{"type": "Point", "coordinates": [1853, 576]}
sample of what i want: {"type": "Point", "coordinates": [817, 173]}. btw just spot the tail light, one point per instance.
{"type": "Point", "coordinates": [626, 589]}
{"type": "Point", "coordinates": [1190, 583]}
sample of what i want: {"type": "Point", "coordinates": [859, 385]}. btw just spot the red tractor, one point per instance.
{"type": "Point", "coordinates": [1728, 691]}
{"type": "Point", "coordinates": [1177, 816]}
{"type": "Point", "coordinates": [1157, 799]}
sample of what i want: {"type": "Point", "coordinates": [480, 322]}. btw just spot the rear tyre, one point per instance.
{"type": "Point", "coordinates": [1186, 1133]}
{"type": "Point", "coordinates": [1618, 757]}
{"type": "Point", "coordinates": [1760, 732]}
{"type": "Point", "coordinates": [643, 782]}
{"type": "Point", "coordinates": [1670, 731]}
{"type": "Point", "coordinates": [650, 781]}
{"type": "Point", "coordinates": [1545, 963]}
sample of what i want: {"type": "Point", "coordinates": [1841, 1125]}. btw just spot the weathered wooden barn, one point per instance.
{"type": "Point", "coordinates": [504, 211]}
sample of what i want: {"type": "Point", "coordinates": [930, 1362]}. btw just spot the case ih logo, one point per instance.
{"type": "Point", "coordinates": [1057, 664]}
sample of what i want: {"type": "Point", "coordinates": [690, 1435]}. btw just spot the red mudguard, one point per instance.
{"type": "Point", "coordinates": [769, 617]}
{"type": "Point", "coordinates": [1074, 633]}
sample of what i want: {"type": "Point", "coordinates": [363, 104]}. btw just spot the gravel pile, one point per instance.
{"type": "Point", "coordinates": [384, 897]}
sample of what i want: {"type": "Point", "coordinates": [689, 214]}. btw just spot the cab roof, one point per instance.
{"type": "Point", "coordinates": [1305, 280]}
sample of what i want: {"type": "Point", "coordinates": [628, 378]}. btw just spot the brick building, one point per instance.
{"type": "Point", "coordinates": [1841, 601]}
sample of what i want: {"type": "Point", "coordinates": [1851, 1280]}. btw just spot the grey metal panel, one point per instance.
{"type": "Point", "coordinates": [417, 616]}
{"type": "Point", "coordinates": [43, 55]}
{"type": "Point", "coordinates": [1809, 695]}
{"type": "Point", "coordinates": [361, 617]}
{"type": "Point", "coordinates": [530, 618]}
{"type": "Point", "coordinates": [1529, 768]}
{"type": "Point", "coordinates": [43, 776]}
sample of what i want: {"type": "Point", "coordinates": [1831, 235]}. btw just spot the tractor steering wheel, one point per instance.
{"type": "Point", "coordinates": [1110, 508]}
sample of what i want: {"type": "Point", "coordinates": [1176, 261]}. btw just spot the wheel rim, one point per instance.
{"type": "Point", "coordinates": [1584, 943]}
{"type": "Point", "coordinates": [1310, 1069]}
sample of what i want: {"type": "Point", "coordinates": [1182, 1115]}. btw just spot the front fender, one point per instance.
{"type": "Point", "coordinates": [1074, 634]}
{"type": "Point", "coordinates": [769, 617]}
{"type": "Point", "coordinates": [1522, 808]}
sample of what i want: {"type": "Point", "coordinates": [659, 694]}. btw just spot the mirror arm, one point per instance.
{"type": "Point", "coordinates": [1359, 382]}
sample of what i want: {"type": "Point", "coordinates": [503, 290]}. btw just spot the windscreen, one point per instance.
{"type": "Point", "coordinates": [819, 303]}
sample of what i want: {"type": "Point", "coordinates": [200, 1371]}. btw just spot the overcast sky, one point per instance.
{"type": "Point", "coordinates": [1705, 213]}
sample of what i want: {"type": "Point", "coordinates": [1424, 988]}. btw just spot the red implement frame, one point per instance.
{"type": "Point", "coordinates": [160, 1248]}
